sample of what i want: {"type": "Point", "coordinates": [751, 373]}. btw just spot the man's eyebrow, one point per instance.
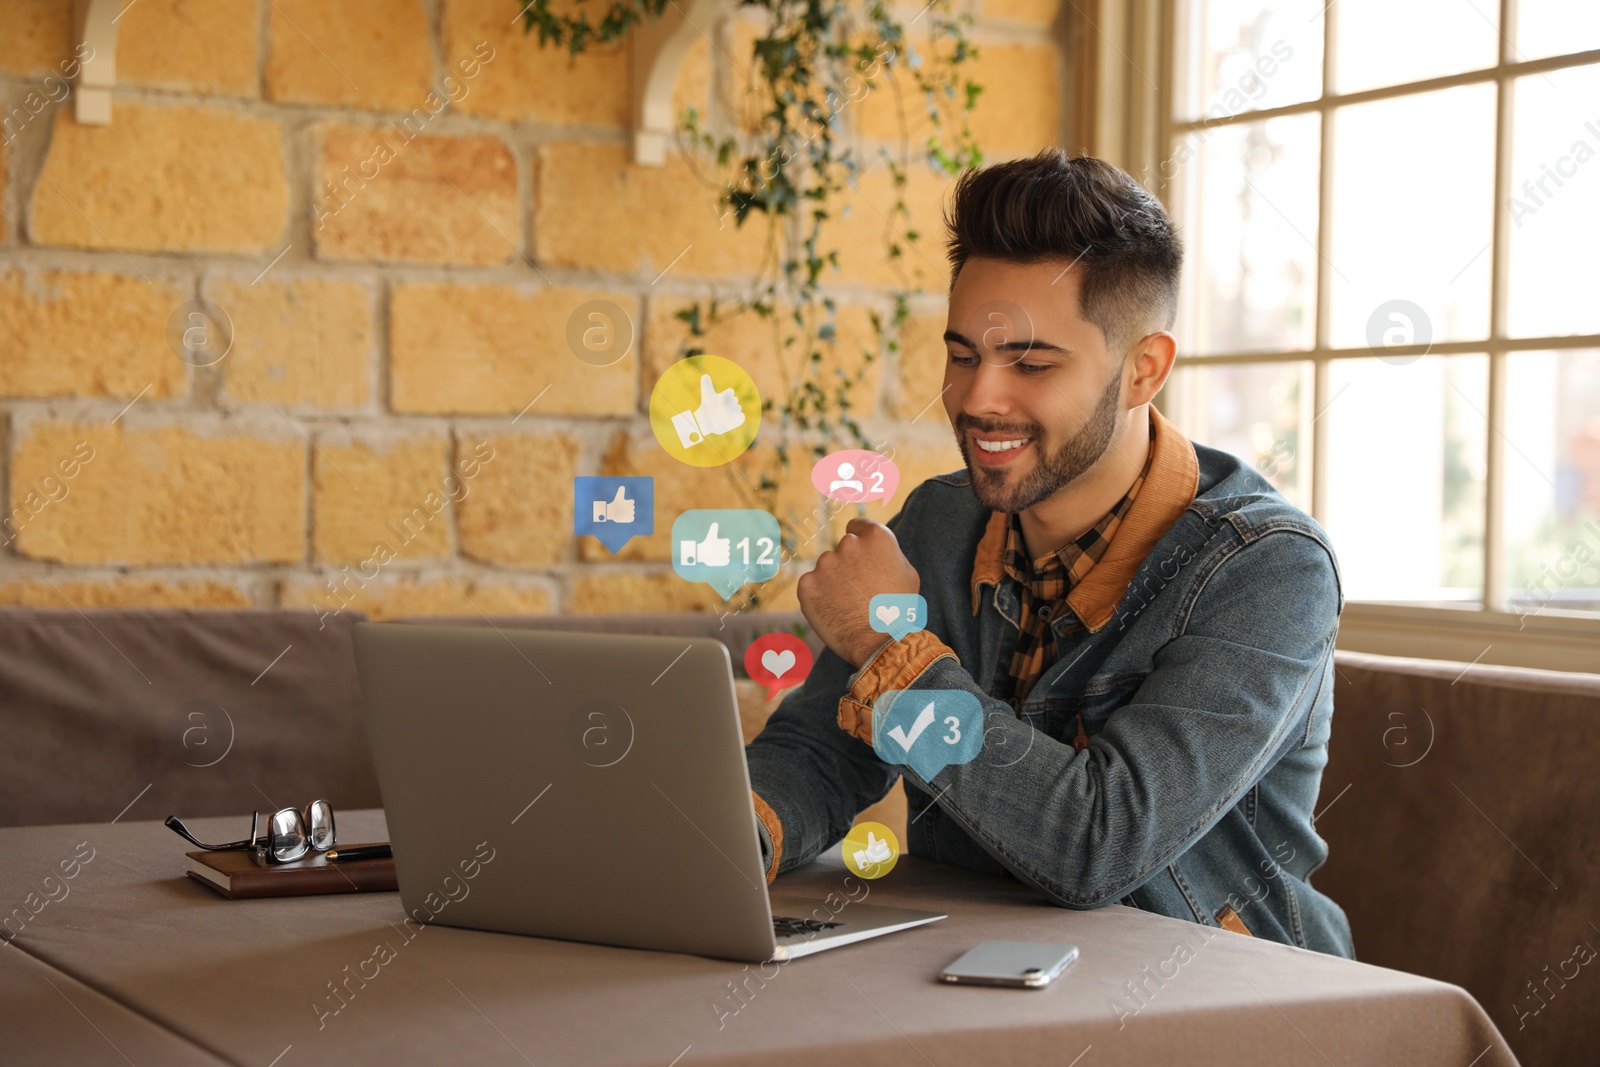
{"type": "Point", "coordinates": [1034, 345]}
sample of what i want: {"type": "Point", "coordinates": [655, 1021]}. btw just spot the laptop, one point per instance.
{"type": "Point", "coordinates": [583, 786]}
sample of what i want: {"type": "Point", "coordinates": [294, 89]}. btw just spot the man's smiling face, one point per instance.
{"type": "Point", "coordinates": [1023, 365]}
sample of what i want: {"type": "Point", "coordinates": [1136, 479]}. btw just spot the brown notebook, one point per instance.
{"type": "Point", "coordinates": [237, 876]}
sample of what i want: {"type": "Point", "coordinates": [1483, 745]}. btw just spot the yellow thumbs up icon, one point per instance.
{"type": "Point", "coordinates": [705, 410]}
{"type": "Point", "coordinates": [870, 850]}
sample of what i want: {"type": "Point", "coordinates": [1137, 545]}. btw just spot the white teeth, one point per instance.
{"type": "Point", "coordinates": [1002, 446]}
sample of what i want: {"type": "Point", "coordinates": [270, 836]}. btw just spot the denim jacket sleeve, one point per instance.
{"type": "Point", "coordinates": [812, 775]}
{"type": "Point", "coordinates": [1219, 707]}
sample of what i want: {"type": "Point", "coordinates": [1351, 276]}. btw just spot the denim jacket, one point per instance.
{"type": "Point", "coordinates": [1202, 669]}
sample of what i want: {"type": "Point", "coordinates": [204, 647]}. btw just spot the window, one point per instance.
{"type": "Point", "coordinates": [1391, 304]}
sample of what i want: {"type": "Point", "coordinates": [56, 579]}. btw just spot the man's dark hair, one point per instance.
{"type": "Point", "coordinates": [1054, 206]}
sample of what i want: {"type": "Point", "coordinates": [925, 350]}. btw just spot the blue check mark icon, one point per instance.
{"type": "Point", "coordinates": [923, 721]}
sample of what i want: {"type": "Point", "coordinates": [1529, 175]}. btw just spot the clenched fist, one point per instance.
{"type": "Point", "coordinates": [835, 594]}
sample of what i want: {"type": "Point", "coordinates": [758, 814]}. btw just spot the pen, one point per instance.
{"type": "Point", "coordinates": [362, 852]}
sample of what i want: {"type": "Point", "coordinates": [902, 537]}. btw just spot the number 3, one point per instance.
{"type": "Point", "coordinates": [955, 729]}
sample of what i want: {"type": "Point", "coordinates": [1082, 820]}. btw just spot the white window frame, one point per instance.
{"type": "Point", "coordinates": [1120, 55]}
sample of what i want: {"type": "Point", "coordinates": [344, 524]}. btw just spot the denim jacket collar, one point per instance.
{"type": "Point", "coordinates": [1169, 488]}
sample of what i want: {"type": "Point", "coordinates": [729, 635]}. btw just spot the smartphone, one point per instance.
{"type": "Point", "coordinates": [1022, 964]}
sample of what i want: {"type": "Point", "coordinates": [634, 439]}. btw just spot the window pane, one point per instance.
{"type": "Point", "coordinates": [1556, 27]}
{"type": "Point", "coordinates": [1555, 204]}
{"type": "Point", "coordinates": [1413, 192]}
{"type": "Point", "coordinates": [1247, 204]}
{"type": "Point", "coordinates": [1242, 55]}
{"type": "Point", "coordinates": [1406, 467]}
{"type": "Point", "coordinates": [1552, 495]}
{"type": "Point", "coordinates": [1382, 42]}
{"type": "Point", "coordinates": [1256, 411]}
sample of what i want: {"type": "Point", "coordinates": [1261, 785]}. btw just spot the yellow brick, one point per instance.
{"type": "Point", "coordinates": [1018, 112]}
{"type": "Point", "coordinates": [693, 88]}
{"type": "Point", "coordinates": [821, 528]}
{"type": "Point", "coordinates": [122, 593]}
{"type": "Point", "coordinates": [604, 591]}
{"type": "Point", "coordinates": [799, 508]}
{"type": "Point", "coordinates": [35, 35]}
{"type": "Point", "coordinates": [404, 597]}
{"type": "Point", "coordinates": [492, 349]}
{"type": "Point", "coordinates": [31, 106]}
{"type": "Point", "coordinates": [775, 594]}
{"type": "Point", "coordinates": [680, 487]}
{"type": "Point", "coordinates": [863, 236]}
{"type": "Point", "coordinates": [919, 370]}
{"type": "Point", "coordinates": [164, 495]}
{"type": "Point", "coordinates": [202, 46]}
{"type": "Point", "coordinates": [394, 494]}
{"type": "Point", "coordinates": [297, 342]}
{"type": "Point", "coordinates": [362, 53]}
{"type": "Point", "coordinates": [522, 81]}
{"type": "Point", "coordinates": [601, 590]}
{"type": "Point", "coordinates": [144, 182]}
{"type": "Point", "coordinates": [593, 208]}
{"type": "Point", "coordinates": [1028, 12]}
{"type": "Point", "coordinates": [746, 96]}
{"type": "Point", "coordinates": [496, 597]}
{"type": "Point", "coordinates": [69, 334]}
{"type": "Point", "coordinates": [393, 193]}
{"type": "Point", "coordinates": [749, 340]}
{"type": "Point", "coordinates": [520, 509]}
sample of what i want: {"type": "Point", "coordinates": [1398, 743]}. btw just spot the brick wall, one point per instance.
{"type": "Point", "coordinates": [399, 283]}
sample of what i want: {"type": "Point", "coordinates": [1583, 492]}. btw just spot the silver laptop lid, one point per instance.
{"type": "Point", "coordinates": [594, 786]}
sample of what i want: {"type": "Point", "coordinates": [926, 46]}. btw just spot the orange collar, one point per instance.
{"type": "Point", "coordinates": [1168, 489]}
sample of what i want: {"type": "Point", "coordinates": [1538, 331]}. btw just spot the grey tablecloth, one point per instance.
{"type": "Point", "coordinates": [47, 1016]}
{"type": "Point", "coordinates": [251, 982]}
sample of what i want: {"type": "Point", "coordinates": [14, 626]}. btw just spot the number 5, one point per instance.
{"type": "Point", "coordinates": [955, 729]}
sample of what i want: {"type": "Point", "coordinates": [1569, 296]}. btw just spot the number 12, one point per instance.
{"type": "Point", "coordinates": [765, 558]}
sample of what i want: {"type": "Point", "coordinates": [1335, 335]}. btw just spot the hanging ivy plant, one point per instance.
{"type": "Point", "coordinates": [810, 64]}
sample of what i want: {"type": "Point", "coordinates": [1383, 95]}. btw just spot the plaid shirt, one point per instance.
{"type": "Point", "coordinates": [1045, 583]}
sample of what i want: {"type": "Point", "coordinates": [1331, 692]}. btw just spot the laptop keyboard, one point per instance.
{"type": "Point", "coordinates": [788, 926]}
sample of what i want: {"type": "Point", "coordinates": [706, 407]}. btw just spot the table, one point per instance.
{"type": "Point", "coordinates": [169, 972]}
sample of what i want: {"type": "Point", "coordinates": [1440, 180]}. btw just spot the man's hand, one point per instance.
{"type": "Point", "coordinates": [834, 595]}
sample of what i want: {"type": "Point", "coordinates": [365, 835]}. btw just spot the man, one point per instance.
{"type": "Point", "coordinates": [1146, 623]}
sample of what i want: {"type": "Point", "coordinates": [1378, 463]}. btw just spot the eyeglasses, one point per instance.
{"type": "Point", "coordinates": [291, 833]}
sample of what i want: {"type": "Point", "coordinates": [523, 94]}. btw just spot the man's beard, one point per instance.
{"type": "Point", "coordinates": [1050, 471]}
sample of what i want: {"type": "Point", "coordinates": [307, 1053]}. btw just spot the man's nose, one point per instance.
{"type": "Point", "coordinates": [992, 381]}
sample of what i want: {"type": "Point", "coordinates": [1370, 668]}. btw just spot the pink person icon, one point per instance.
{"type": "Point", "coordinates": [856, 476]}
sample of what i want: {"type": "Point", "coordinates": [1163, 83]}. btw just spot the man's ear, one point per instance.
{"type": "Point", "coordinates": [1152, 357]}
